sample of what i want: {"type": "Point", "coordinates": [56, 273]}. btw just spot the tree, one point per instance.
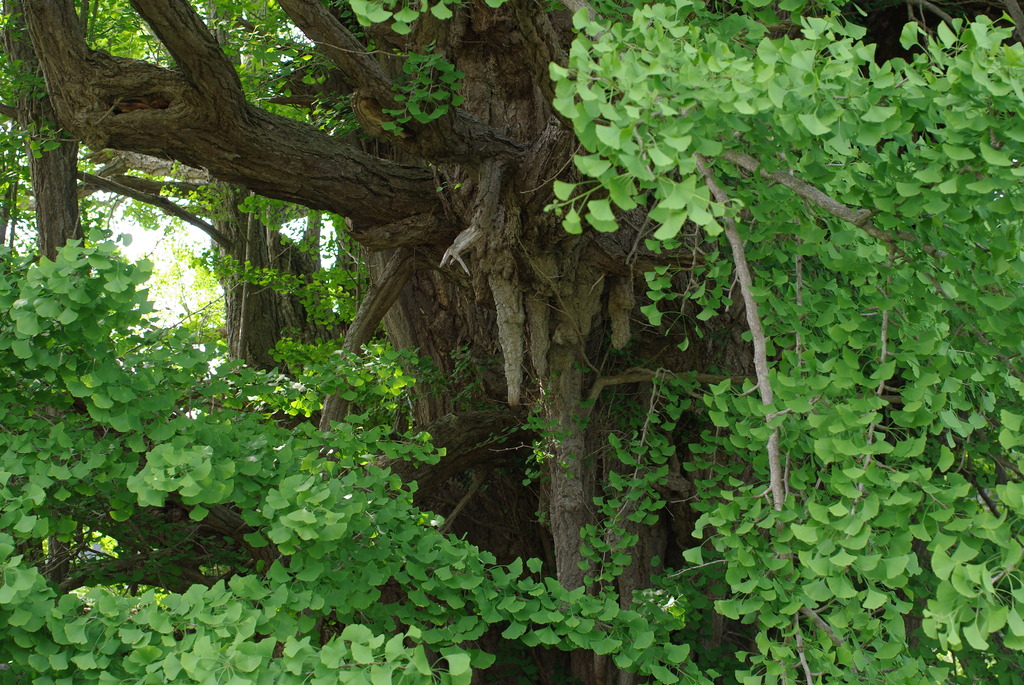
{"type": "Point", "coordinates": [741, 302]}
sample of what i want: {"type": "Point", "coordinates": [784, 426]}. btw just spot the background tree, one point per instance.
{"type": "Point", "coordinates": [759, 365]}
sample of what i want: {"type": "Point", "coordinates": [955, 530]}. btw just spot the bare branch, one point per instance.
{"type": "Point", "coordinates": [860, 217]}
{"type": "Point", "coordinates": [746, 281]}
{"type": "Point", "coordinates": [161, 203]}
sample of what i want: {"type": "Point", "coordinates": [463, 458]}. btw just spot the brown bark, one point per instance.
{"type": "Point", "coordinates": [53, 171]}
{"type": "Point", "coordinates": [260, 308]}
{"type": "Point", "coordinates": [207, 122]}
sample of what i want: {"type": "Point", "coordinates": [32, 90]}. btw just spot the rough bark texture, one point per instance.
{"type": "Point", "coordinates": [260, 309]}
{"type": "Point", "coordinates": [53, 170]}
{"type": "Point", "coordinates": [462, 257]}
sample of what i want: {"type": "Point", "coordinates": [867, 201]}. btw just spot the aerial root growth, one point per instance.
{"type": "Point", "coordinates": [508, 300]}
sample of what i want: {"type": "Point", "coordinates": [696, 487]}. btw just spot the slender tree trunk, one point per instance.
{"type": "Point", "coordinates": [263, 272]}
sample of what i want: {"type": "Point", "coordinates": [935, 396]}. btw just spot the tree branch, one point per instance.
{"type": "Point", "coordinates": [801, 652]}
{"type": "Point", "coordinates": [1015, 12]}
{"type": "Point", "coordinates": [455, 137]}
{"type": "Point", "coordinates": [338, 45]}
{"type": "Point", "coordinates": [860, 218]}
{"type": "Point", "coordinates": [470, 439]}
{"type": "Point", "coordinates": [147, 563]}
{"type": "Point", "coordinates": [640, 375]}
{"type": "Point", "coordinates": [823, 626]}
{"type": "Point", "coordinates": [145, 185]}
{"type": "Point", "coordinates": [746, 281]}
{"type": "Point", "coordinates": [161, 203]}
{"type": "Point", "coordinates": [934, 9]}
{"type": "Point", "coordinates": [379, 298]}
{"type": "Point", "coordinates": [270, 155]}
{"type": "Point", "coordinates": [195, 49]}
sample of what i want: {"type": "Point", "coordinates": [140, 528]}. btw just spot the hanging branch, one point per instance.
{"type": "Point", "coordinates": [858, 217]}
{"type": "Point", "coordinates": [746, 281]}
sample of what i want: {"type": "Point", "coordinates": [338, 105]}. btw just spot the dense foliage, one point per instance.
{"type": "Point", "coordinates": [828, 440]}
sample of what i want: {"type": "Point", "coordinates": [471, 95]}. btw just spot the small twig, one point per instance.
{"type": "Point", "coordinates": [800, 651]}
{"type": "Point", "coordinates": [1009, 569]}
{"type": "Point", "coordinates": [694, 568]}
{"type": "Point", "coordinates": [822, 625]}
{"type": "Point", "coordinates": [478, 481]}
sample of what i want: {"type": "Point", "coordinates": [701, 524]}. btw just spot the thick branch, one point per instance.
{"type": "Point", "coordinates": [161, 203]}
{"type": "Point", "coordinates": [195, 50]}
{"type": "Point", "coordinates": [268, 154]}
{"type": "Point", "coordinates": [545, 46]}
{"type": "Point", "coordinates": [485, 212]}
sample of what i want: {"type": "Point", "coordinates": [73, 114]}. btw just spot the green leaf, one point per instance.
{"type": "Point", "coordinates": [563, 191]}
{"type": "Point", "coordinates": [458, 663]}
{"type": "Point", "coordinates": [813, 124]}
{"type": "Point", "coordinates": [441, 11]}
{"type": "Point", "coordinates": [601, 217]}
